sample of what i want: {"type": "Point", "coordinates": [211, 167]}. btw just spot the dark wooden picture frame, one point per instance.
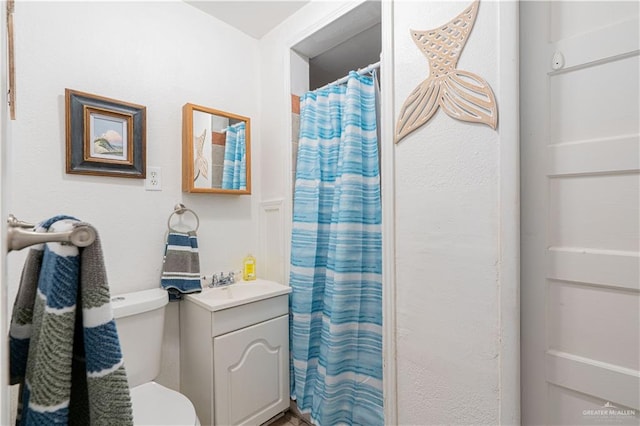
{"type": "Point", "coordinates": [104, 137]}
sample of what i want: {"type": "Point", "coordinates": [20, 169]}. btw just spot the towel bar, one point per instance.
{"type": "Point", "coordinates": [20, 235]}
{"type": "Point", "coordinates": [180, 209]}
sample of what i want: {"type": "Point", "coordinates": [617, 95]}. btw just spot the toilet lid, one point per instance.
{"type": "Point", "coordinates": [153, 404]}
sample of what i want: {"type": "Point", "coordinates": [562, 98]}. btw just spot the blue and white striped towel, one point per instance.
{"type": "Point", "coordinates": [65, 351]}
{"type": "Point", "coordinates": [181, 265]}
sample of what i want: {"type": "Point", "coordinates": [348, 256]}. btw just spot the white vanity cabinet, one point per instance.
{"type": "Point", "coordinates": [250, 366]}
{"type": "Point", "coordinates": [234, 358]}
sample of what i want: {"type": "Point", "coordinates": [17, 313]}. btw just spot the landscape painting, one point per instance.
{"type": "Point", "coordinates": [104, 136]}
{"type": "Point", "coordinates": [108, 137]}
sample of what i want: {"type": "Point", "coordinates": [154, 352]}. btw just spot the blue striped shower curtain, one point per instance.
{"type": "Point", "coordinates": [234, 170]}
{"type": "Point", "coordinates": [336, 258]}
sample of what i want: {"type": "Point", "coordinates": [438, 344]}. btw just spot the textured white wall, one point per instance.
{"type": "Point", "coordinates": [299, 74]}
{"type": "Point", "coordinates": [448, 228]}
{"type": "Point", "coordinates": [158, 54]}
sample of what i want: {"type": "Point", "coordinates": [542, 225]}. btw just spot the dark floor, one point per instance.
{"type": "Point", "coordinates": [288, 419]}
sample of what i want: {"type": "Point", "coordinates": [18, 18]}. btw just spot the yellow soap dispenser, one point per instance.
{"type": "Point", "coordinates": [249, 268]}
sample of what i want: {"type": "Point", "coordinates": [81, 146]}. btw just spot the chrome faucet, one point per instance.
{"type": "Point", "coordinates": [222, 280]}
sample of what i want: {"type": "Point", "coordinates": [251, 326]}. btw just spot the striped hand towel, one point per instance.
{"type": "Point", "coordinates": [67, 360]}
{"type": "Point", "coordinates": [181, 265]}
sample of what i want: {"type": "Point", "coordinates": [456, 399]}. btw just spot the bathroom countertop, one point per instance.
{"type": "Point", "coordinates": [240, 293]}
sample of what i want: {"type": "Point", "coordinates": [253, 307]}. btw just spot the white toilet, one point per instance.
{"type": "Point", "coordinates": [140, 321]}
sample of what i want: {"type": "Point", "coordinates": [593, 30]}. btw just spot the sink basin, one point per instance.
{"type": "Point", "coordinates": [240, 293]}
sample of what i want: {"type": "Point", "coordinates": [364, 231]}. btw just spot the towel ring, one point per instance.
{"type": "Point", "coordinates": [181, 209]}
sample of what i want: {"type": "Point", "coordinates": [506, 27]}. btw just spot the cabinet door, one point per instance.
{"type": "Point", "coordinates": [251, 373]}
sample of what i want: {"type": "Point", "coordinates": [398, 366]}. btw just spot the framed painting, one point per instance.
{"type": "Point", "coordinates": [104, 136]}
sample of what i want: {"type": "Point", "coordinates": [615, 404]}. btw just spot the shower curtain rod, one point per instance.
{"type": "Point", "coordinates": [361, 71]}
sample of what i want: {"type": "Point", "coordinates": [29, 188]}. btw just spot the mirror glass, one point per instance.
{"type": "Point", "coordinates": [216, 151]}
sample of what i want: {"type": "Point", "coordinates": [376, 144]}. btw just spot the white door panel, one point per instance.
{"type": "Point", "coordinates": [577, 328]}
{"type": "Point", "coordinates": [580, 163]}
{"type": "Point", "coordinates": [588, 104]}
{"type": "Point", "coordinates": [568, 407]}
{"type": "Point", "coordinates": [606, 381]}
{"type": "Point", "coordinates": [598, 267]}
{"type": "Point", "coordinates": [594, 212]}
{"type": "Point", "coordinates": [601, 44]}
{"type": "Point", "coordinates": [569, 19]}
{"type": "Point", "coordinates": [619, 153]}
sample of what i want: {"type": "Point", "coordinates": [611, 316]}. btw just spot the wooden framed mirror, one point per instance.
{"type": "Point", "coordinates": [216, 151]}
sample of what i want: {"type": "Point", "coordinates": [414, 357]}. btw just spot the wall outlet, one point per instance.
{"type": "Point", "coordinates": [153, 182]}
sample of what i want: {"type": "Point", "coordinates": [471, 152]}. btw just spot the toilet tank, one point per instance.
{"type": "Point", "coordinates": [140, 322]}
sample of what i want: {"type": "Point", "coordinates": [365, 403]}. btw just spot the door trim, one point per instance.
{"type": "Point", "coordinates": [509, 269]}
{"type": "Point", "coordinates": [387, 181]}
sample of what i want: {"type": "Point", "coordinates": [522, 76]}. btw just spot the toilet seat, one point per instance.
{"type": "Point", "coordinates": [156, 405]}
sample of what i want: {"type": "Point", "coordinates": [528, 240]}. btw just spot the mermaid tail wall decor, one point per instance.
{"type": "Point", "coordinates": [201, 164]}
{"type": "Point", "coordinates": [462, 95]}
